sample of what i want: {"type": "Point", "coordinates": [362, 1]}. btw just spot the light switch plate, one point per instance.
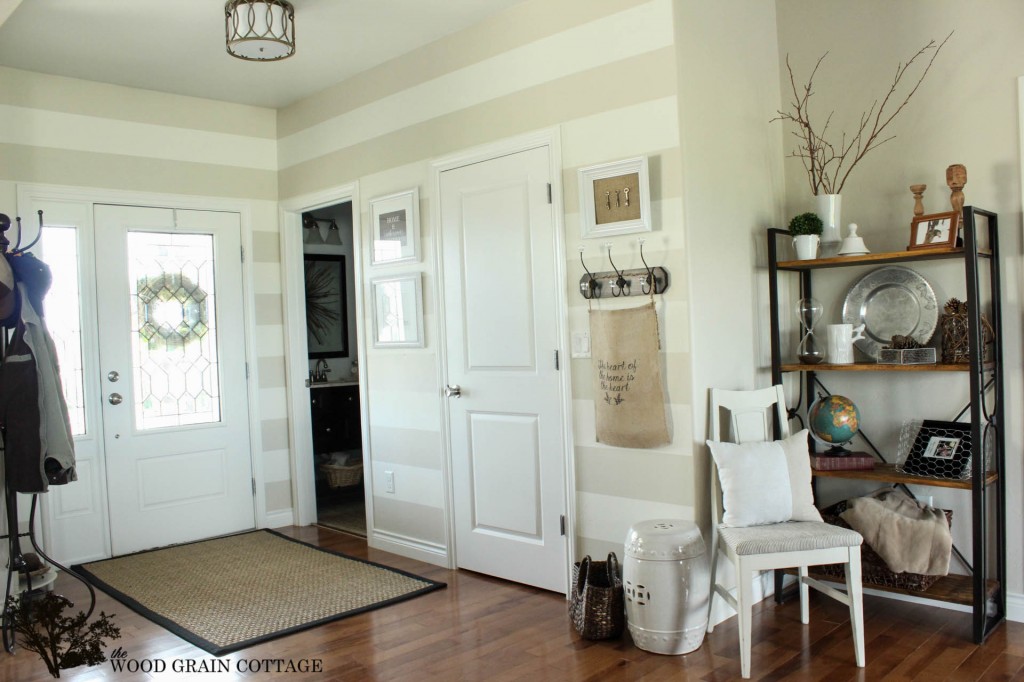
{"type": "Point", "coordinates": [581, 344]}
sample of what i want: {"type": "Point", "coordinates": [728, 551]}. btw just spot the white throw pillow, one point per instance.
{"type": "Point", "coordinates": [765, 482]}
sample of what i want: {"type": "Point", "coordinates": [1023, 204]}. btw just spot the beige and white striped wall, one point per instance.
{"type": "Point", "coordinates": [604, 74]}
{"type": "Point", "coordinates": [75, 133]}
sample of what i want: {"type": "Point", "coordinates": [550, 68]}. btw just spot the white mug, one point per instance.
{"type": "Point", "coordinates": [840, 342]}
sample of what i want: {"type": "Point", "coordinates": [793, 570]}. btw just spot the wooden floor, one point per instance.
{"type": "Point", "coordinates": [480, 628]}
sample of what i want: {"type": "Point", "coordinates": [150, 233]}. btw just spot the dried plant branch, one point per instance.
{"type": "Point", "coordinates": [828, 165]}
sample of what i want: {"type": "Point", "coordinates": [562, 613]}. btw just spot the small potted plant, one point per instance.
{"type": "Point", "coordinates": [806, 230]}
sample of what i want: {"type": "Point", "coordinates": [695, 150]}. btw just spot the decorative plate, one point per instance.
{"type": "Point", "coordinates": [891, 300]}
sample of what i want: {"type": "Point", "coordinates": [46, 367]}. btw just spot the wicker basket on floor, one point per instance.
{"type": "Point", "coordinates": [873, 568]}
{"type": "Point", "coordinates": [341, 476]}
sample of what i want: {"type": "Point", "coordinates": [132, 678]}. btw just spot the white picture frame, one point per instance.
{"type": "Point", "coordinates": [395, 228]}
{"type": "Point", "coordinates": [398, 311]}
{"type": "Point", "coordinates": [599, 208]}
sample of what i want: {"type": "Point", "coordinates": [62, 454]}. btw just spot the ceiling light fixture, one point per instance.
{"type": "Point", "coordinates": [260, 30]}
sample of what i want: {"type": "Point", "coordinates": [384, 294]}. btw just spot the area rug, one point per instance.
{"type": "Point", "coordinates": [230, 593]}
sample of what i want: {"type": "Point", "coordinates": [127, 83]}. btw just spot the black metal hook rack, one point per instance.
{"type": "Point", "coordinates": [647, 280]}
{"type": "Point", "coordinates": [16, 563]}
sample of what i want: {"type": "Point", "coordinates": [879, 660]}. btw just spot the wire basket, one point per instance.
{"type": "Point", "coordinates": [938, 449]}
{"type": "Point", "coordinates": [342, 476]}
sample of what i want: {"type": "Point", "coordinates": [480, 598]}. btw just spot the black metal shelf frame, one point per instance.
{"type": "Point", "coordinates": [985, 420]}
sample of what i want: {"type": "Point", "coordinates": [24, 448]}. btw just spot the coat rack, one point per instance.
{"type": "Point", "coordinates": [619, 283]}
{"type": "Point", "coordinates": [16, 559]}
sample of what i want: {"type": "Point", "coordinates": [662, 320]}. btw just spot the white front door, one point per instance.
{"type": "Point", "coordinates": [507, 438]}
{"type": "Point", "coordinates": [172, 375]}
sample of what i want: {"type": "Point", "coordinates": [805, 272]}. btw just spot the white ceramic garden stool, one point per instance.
{"type": "Point", "coordinates": [666, 581]}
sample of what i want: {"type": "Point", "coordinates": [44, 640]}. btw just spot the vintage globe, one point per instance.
{"type": "Point", "coordinates": [833, 420]}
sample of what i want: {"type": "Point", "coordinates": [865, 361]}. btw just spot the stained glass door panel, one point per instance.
{"type": "Point", "coordinates": [174, 329]}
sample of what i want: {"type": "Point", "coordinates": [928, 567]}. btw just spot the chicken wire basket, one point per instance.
{"type": "Point", "coordinates": [938, 449]}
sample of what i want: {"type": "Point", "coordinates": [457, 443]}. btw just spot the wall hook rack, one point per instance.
{"type": "Point", "coordinates": [620, 282]}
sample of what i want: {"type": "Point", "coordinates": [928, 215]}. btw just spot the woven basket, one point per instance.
{"type": "Point", "coordinates": [597, 606]}
{"type": "Point", "coordinates": [873, 567]}
{"type": "Point", "coordinates": [339, 476]}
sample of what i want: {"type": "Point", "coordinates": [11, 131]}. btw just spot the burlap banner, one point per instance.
{"type": "Point", "coordinates": [628, 393]}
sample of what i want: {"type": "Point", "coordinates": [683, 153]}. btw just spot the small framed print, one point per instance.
{"type": "Point", "coordinates": [615, 198]}
{"type": "Point", "coordinates": [941, 450]}
{"type": "Point", "coordinates": [938, 230]}
{"type": "Point", "coordinates": [398, 311]}
{"type": "Point", "coordinates": [395, 224]}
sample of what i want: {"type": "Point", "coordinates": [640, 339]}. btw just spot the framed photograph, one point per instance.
{"type": "Point", "coordinates": [395, 226]}
{"type": "Point", "coordinates": [615, 198]}
{"type": "Point", "coordinates": [398, 311]}
{"type": "Point", "coordinates": [326, 306]}
{"type": "Point", "coordinates": [938, 230]}
{"type": "Point", "coordinates": [941, 450]}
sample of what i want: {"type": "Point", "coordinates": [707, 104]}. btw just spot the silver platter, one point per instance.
{"type": "Point", "coordinates": [888, 301]}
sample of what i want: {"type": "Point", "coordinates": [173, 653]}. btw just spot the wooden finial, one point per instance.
{"type": "Point", "coordinates": [956, 178]}
{"type": "Point", "coordinates": [918, 192]}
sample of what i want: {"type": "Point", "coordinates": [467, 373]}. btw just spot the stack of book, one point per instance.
{"type": "Point", "coordinates": [854, 460]}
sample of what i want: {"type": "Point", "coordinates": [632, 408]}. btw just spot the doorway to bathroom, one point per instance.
{"type": "Point", "coordinates": [333, 372]}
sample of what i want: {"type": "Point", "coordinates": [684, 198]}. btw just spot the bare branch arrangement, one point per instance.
{"type": "Point", "coordinates": [828, 164]}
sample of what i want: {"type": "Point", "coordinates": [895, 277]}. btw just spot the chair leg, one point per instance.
{"type": "Point", "coordinates": [744, 603]}
{"type": "Point", "coordinates": [805, 596]}
{"type": "Point", "coordinates": [855, 591]}
{"type": "Point", "coordinates": [714, 577]}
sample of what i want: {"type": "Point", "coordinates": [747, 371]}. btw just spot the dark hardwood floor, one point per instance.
{"type": "Point", "coordinates": [480, 628]}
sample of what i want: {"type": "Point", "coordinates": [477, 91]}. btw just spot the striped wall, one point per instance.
{"type": "Point", "coordinates": [68, 132]}
{"type": "Point", "coordinates": [603, 73]}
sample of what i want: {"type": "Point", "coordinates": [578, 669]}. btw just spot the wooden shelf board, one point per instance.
{"type": "Point", "coordinates": [887, 473]}
{"type": "Point", "coordinates": [877, 258]}
{"type": "Point", "coordinates": [956, 589]}
{"type": "Point", "coordinates": [875, 367]}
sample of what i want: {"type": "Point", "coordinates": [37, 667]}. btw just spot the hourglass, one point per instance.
{"type": "Point", "coordinates": [808, 312]}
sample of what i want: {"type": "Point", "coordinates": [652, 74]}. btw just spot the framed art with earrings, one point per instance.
{"type": "Point", "coordinates": [615, 198]}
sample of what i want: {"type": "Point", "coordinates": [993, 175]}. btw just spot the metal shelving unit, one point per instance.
{"type": "Point", "coordinates": [984, 590]}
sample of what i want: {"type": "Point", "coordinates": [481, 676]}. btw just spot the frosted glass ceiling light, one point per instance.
{"type": "Point", "coordinates": [260, 30]}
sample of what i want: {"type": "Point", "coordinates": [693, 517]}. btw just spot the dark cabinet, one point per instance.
{"type": "Point", "coordinates": [335, 413]}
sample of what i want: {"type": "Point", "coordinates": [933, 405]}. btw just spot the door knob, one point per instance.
{"type": "Point", "coordinates": [115, 399]}
{"type": "Point", "coordinates": [453, 391]}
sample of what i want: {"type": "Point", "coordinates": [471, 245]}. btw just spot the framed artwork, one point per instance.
{"type": "Point", "coordinates": [615, 198]}
{"type": "Point", "coordinates": [326, 306]}
{"type": "Point", "coordinates": [938, 230]}
{"type": "Point", "coordinates": [941, 450]}
{"type": "Point", "coordinates": [398, 311]}
{"type": "Point", "coordinates": [395, 225]}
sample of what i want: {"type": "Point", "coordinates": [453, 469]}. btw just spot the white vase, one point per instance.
{"type": "Point", "coordinates": [806, 246]}
{"type": "Point", "coordinates": [828, 207]}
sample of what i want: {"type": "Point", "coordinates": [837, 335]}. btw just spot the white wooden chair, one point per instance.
{"type": "Point", "coordinates": [795, 544]}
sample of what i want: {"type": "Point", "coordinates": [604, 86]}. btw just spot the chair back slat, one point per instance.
{"type": "Point", "coordinates": [749, 417]}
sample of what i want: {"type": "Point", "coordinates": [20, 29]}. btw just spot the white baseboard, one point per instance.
{"type": "Point", "coordinates": [408, 547]}
{"type": "Point", "coordinates": [1015, 607]}
{"type": "Point", "coordinates": [279, 519]}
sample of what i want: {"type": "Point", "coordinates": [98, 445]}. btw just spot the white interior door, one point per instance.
{"type": "Point", "coordinates": [172, 372]}
{"type": "Point", "coordinates": [507, 437]}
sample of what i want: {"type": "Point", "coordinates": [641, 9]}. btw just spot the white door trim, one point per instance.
{"type": "Point", "coordinates": [551, 139]}
{"type": "Point", "coordinates": [300, 424]}
{"type": "Point", "coordinates": [33, 193]}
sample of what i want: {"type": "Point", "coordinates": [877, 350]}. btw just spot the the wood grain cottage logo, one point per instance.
{"type": "Point", "coordinates": [120, 662]}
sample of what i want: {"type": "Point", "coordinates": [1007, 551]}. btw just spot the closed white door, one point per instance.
{"type": "Point", "coordinates": [172, 374]}
{"type": "Point", "coordinates": [507, 438]}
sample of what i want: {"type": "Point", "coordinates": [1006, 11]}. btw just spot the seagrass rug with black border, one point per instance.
{"type": "Point", "coordinates": [230, 593]}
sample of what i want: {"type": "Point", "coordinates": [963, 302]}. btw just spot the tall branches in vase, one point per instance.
{"type": "Point", "coordinates": [828, 163]}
